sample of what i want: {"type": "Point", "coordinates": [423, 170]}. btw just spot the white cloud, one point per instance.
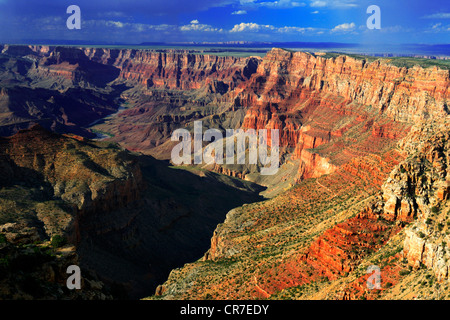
{"type": "Point", "coordinates": [344, 27]}
{"type": "Point", "coordinates": [437, 25]}
{"type": "Point", "coordinates": [279, 4]}
{"type": "Point", "coordinates": [438, 28]}
{"type": "Point", "coordinates": [318, 4]}
{"type": "Point", "coordinates": [254, 27]}
{"type": "Point", "coordinates": [127, 26]}
{"type": "Point", "coordinates": [333, 3]}
{"type": "Point", "coordinates": [315, 12]}
{"type": "Point", "coordinates": [441, 15]}
{"type": "Point", "coordinates": [251, 27]}
{"type": "Point", "coordinates": [296, 29]}
{"type": "Point", "coordinates": [282, 4]}
{"type": "Point", "coordinates": [239, 12]}
{"type": "Point", "coordinates": [197, 26]}
{"type": "Point", "coordinates": [117, 24]}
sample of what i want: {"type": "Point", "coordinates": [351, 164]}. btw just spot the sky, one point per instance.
{"type": "Point", "coordinates": [138, 21]}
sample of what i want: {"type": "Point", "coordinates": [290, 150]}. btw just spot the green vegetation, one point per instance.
{"type": "Point", "coordinates": [409, 62]}
{"type": "Point", "coordinates": [404, 272]}
{"type": "Point", "coordinates": [402, 62]}
{"type": "Point", "coordinates": [58, 241]}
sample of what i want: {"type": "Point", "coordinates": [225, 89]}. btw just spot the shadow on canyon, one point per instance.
{"type": "Point", "coordinates": [171, 224]}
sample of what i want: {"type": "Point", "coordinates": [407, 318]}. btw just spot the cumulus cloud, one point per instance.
{"type": "Point", "coordinates": [195, 25]}
{"type": "Point", "coordinates": [242, 27]}
{"type": "Point", "coordinates": [318, 4]}
{"type": "Point", "coordinates": [344, 27]}
{"type": "Point", "coordinates": [238, 12]}
{"type": "Point", "coordinates": [333, 3]}
{"type": "Point", "coordinates": [127, 26]}
{"type": "Point", "coordinates": [283, 4]}
{"type": "Point", "coordinates": [254, 27]}
{"type": "Point", "coordinates": [279, 4]}
{"type": "Point", "coordinates": [297, 30]}
{"type": "Point", "coordinates": [117, 24]}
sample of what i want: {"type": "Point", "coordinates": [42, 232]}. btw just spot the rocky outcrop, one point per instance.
{"type": "Point", "coordinates": [59, 191]}
{"type": "Point", "coordinates": [97, 182]}
{"type": "Point", "coordinates": [424, 195]}
{"type": "Point", "coordinates": [428, 252]}
{"type": "Point", "coordinates": [401, 93]}
{"type": "Point", "coordinates": [415, 195]}
{"type": "Point", "coordinates": [340, 249]}
{"type": "Point", "coordinates": [336, 103]}
{"type": "Point", "coordinates": [30, 270]}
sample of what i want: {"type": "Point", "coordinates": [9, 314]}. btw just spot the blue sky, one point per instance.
{"type": "Point", "coordinates": [137, 21]}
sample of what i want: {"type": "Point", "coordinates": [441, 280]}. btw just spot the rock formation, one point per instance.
{"type": "Point", "coordinates": [363, 176]}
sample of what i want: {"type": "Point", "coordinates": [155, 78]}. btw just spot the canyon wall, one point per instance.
{"type": "Point", "coordinates": [164, 69]}
{"type": "Point", "coordinates": [357, 130]}
{"type": "Point", "coordinates": [370, 126]}
{"type": "Point", "coordinates": [174, 70]}
{"type": "Point", "coordinates": [287, 85]}
{"type": "Point", "coordinates": [95, 183]}
{"type": "Point", "coordinates": [402, 92]}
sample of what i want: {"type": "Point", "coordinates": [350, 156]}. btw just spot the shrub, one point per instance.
{"type": "Point", "coordinates": [58, 241]}
{"type": "Point", "coordinates": [404, 272]}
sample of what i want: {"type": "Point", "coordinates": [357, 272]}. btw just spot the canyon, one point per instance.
{"type": "Point", "coordinates": [363, 178]}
